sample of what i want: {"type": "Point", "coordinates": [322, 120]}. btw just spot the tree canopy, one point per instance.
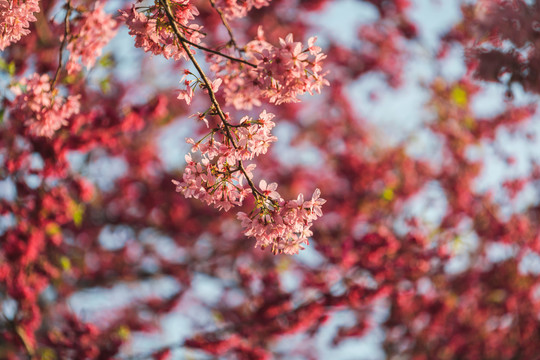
{"type": "Point", "coordinates": [261, 179]}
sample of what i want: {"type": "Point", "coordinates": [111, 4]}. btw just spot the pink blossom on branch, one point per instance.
{"type": "Point", "coordinates": [239, 8]}
{"type": "Point", "coordinates": [96, 29]}
{"type": "Point", "coordinates": [283, 225]}
{"type": "Point", "coordinates": [281, 74]}
{"type": "Point", "coordinates": [216, 178]}
{"type": "Point", "coordinates": [153, 36]}
{"type": "Point", "coordinates": [41, 108]}
{"type": "Point", "coordinates": [15, 18]}
{"type": "Point", "coordinates": [286, 72]}
{"type": "Point", "coordinates": [269, 190]}
{"type": "Point", "coordinates": [187, 93]}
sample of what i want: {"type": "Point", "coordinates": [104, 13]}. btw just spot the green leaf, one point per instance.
{"type": "Point", "coordinates": [48, 354]}
{"type": "Point", "coordinates": [52, 229]}
{"type": "Point", "coordinates": [106, 61]}
{"type": "Point", "coordinates": [388, 194]}
{"type": "Point", "coordinates": [459, 96]}
{"type": "Point", "coordinates": [123, 332]}
{"type": "Point", "coordinates": [11, 68]}
{"type": "Point", "coordinates": [65, 263]}
{"type": "Point", "coordinates": [105, 85]}
{"type": "Point", "coordinates": [77, 213]}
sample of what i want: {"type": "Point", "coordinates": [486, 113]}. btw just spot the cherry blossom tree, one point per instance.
{"type": "Point", "coordinates": [149, 150]}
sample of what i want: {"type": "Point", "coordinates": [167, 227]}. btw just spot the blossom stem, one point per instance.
{"type": "Point", "coordinates": [226, 24]}
{"type": "Point", "coordinates": [204, 48]}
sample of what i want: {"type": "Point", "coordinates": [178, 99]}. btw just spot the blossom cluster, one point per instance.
{"type": "Point", "coordinates": [97, 28]}
{"type": "Point", "coordinates": [187, 93]}
{"type": "Point", "coordinates": [40, 107]}
{"type": "Point", "coordinates": [282, 225]}
{"type": "Point", "coordinates": [60, 236]}
{"type": "Point", "coordinates": [281, 73]}
{"type": "Point", "coordinates": [218, 177]}
{"type": "Point", "coordinates": [239, 8]}
{"type": "Point", "coordinates": [287, 71]}
{"type": "Point", "coordinates": [154, 34]}
{"type": "Point", "coordinates": [15, 18]}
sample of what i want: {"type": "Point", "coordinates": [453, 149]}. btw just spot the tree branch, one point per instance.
{"type": "Point", "coordinates": [204, 48]}
{"type": "Point", "coordinates": [184, 43]}
{"type": "Point", "coordinates": [62, 44]}
{"type": "Point", "coordinates": [226, 24]}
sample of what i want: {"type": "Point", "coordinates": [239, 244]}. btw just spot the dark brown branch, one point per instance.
{"type": "Point", "coordinates": [226, 24]}
{"type": "Point", "coordinates": [217, 52]}
{"type": "Point", "coordinates": [228, 328]}
{"type": "Point", "coordinates": [62, 44]}
{"type": "Point", "coordinates": [21, 335]}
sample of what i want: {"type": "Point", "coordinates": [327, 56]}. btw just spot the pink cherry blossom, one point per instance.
{"type": "Point", "coordinates": [40, 108]}
{"type": "Point", "coordinates": [239, 8]}
{"type": "Point", "coordinates": [284, 226]}
{"type": "Point", "coordinates": [187, 93]}
{"type": "Point", "coordinates": [152, 36]}
{"type": "Point", "coordinates": [269, 190]}
{"type": "Point", "coordinates": [15, 18]}
{"type": "Point", "coordinates": [95, 31]}
{"type": "Point", "coordinates": [282, 73]}
{"type": "Point", "coordinates": [215, 85]}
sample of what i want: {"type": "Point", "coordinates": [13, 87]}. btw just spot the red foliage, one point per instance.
{"type": "Point", "coordinates": [97, 250]}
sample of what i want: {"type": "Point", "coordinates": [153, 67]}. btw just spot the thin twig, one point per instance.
{"type": "Point", "coordinates": [219, 53]}
{"type": "Point", "coordinates": [204, 48]}
{"type": "Point", "coordinates": [226, 24]}
{"type": "Point", "coordinates": [62, 44]}
{"type": "Point", "coordinates": [30, 353]}
{"type": "Point", "coordinates": [24, 339]}
{"type": "Point", "coordinates": [228, 328]}
{"type": "Point", "coordinates": [211, 93]}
